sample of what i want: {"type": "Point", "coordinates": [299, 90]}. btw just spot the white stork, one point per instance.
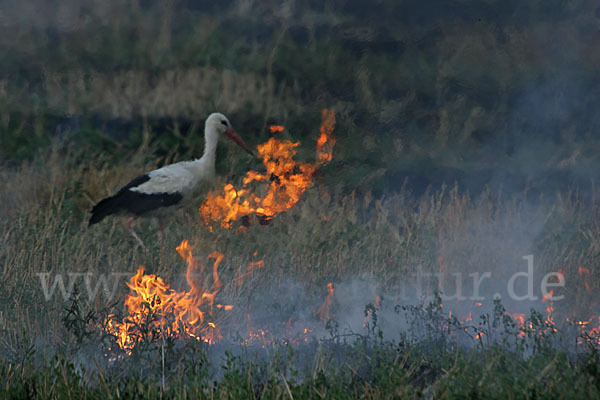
{"type": "Point", "coordinates": [153, 193]}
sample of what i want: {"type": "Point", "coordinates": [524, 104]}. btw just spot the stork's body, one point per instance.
{"type": "Point", "coordinates": [158, 191]}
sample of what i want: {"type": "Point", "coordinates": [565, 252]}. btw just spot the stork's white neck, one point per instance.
{"type": "Point", "coordinates": [210, 146]}
{"type": "Point", "coordinates": [204, 167]}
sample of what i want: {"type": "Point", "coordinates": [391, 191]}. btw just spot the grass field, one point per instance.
{"type": "Point", "coordinates": [466, 141]}
{"type": "Point", "coordinates": [54, 348]}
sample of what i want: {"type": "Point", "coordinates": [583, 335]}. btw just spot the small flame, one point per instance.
{"type": "Point", "coordinates": [519, 318]}
{"type": "Point", "coordinates": [581, 271]}
{"type": "Point", "coordinates": [549, 308]}
{"type": "Point", "coordinates": [252, 265]}
{"type": "Point", "coordinates": [326, 141]}
{"type": "Point", "coordinates": [548, 296]}
{"type": "Point", "coordinates": [323, 311]}
{"type": "Point", "coordinates": [276, 128]}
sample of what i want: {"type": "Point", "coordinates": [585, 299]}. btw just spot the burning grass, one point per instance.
{"type": "Point", "coordinates": [423, 362]}
{"type": "Point", "coordinates": [272, 284]}
{"type": "Point", "coordinates": [286, 180]}
{"type": "Point", "coordinates": [172, 313]}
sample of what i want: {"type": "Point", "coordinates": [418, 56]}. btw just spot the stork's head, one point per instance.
{"type": "Point", "coordinates": [217, 124]}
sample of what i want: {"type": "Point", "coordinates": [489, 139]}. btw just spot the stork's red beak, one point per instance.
{"type": "Point", "coordinates": [236, 138]}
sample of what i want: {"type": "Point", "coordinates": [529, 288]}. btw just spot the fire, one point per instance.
{"type": "Point", "coordinates": [276, 128]}
{"type": "Point", "coordinates": [326, 141]}
{"type": "Point", "coordinates": [581, 271]}
{"type": "Point", "coordinates": [166, 311]}
{"type": "Point", "coordinates": [323, 311]}
{"type": "Point", "coordinates": [284, 181]}
{"type": "Point", "coordinates": [519, 318]}
{"type": "Point", "coordinates": [550, 307]}
{"type": "Point", "coordinates": [252, 266]}
{"type": "Point", "coordinates": [548, 296]}
{"type": "Point", "coordinates": [193, 312]}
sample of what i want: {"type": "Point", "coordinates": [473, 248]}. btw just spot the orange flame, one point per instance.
{"type": "Point", "coordinates": [286, 181]}
{"type": "Point", "coordinates": [549, 308]}
{"type": "Point", "coordinates": [276, 128]}
{"type": "Point", "coordinates": [166, 311]}
{"type": "Point", "coordinates": [548, 296]}
{"type": "Point", "coordinates": [323, 311]}
{"type": "Point", "coordinates": [169, 312]}
{"type": "Point", "coordinates": [326, 141]}
{"type": "Point", "coordinates": [519, 318]}
{"type": "Point", "coordinates": [581, 271]}
{"type": "Point", "coordinates": [252, 265]}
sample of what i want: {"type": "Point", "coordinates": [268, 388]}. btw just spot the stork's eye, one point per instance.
{"type": "Point", "coordinates": [224, 122]}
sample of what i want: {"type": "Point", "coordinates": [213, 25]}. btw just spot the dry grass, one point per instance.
{"type": "Point", "coordinates": [327, 237]}
{"type": "Point", "coordinates": [173, 93]}
{"type": "Point", "coordinates": [136, 70]}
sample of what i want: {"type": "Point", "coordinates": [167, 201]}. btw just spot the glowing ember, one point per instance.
{"type": "Point", "coordinates": [582, 271]}
{"type": "Point", "coordinates": [285, 181]}
{"type": "Point", "coordinates": [264, 337]}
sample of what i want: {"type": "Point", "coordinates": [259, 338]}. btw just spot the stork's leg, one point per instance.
{"type": "Point", "coordinates": [130, 230]}
{"type": "Point", "coordinates": [161, 227]}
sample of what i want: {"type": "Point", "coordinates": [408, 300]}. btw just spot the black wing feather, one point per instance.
{"type": "Point", "coordinates": [137, 181]}
{"type": "Point", "coordinates": [133, 202]}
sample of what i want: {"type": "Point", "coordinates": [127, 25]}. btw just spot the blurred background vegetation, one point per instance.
{"type": "Point", "coordinates": [493, 92]}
